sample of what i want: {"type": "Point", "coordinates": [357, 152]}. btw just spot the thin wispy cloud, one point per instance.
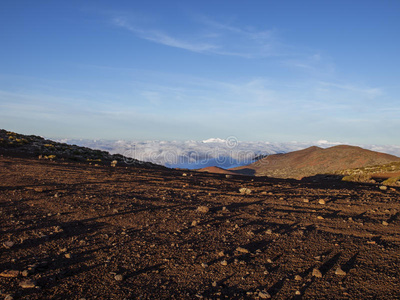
{"type": "Point", "coordinates": [369, 92]}
{"type": "Point", "coordinates": [210, 37]}
{"type": "Point", "coordinates": [163, 38]}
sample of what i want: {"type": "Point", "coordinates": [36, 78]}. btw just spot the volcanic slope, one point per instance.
{"type": "Point", "coordinates": [315, 160]}
{"type": "Point", "coordinates": [71, 231]}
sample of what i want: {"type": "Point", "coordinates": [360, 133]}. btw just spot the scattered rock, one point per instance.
{"type": "Point", "coordinates": [68, 255]}
{"type": "Point", "coordinates": [224, 263]}
{"type": "Point", "coordinates": [194, 223]}
{"type": "Point", "coordinates": [305, 200]}
{"type": "Point", "coordinates": [384, 223]}
{"type": "Point", "coordinates": [8, 297]}
{"type": "Point", "coordinates": [298, 278]}
{"type": "Point", "coordinates": [242, 250]}
{"type": "Point", "coordinates": [264, 295]}
{"type": "Point", "coordinates": [10, 273]}
{"type": "Point", "coordinates": [340, 272]}
{"type": "Point", "coordinates": [114, 163]}
{"type": "Point", "coordinates": [320, 217]}
{"type": "Point", "coordinates": [228, 176]}
{"type": "Point", "coordinates": [58, 229]}
{"type": "Point", "coordinates": [203, 209]}
{"type": "Point", "coordinates": [204, 265]}
{"type": "Point", "coordinates": [321, 201]}
{"type": "Point", "coordinates": [8, 244]}
{"type": "Point", "coordinates": [214, 284]}
{"type": "Point", "coordinates": [316, 273]}
{"type": "Point", "coordinates": [245, 191]}
{"type": "Point", "coordinates": [184, 174]}
{"type": "Point", "coordinates": [27, 284]}
{"type": "Point", "coordinates": [297, 293]}
{"type": "Point", "coordinates": [383, 187]}
{"type": "Point", "coordinates": [119, 277]}
{"type": "Point", "coordinates": [25, 273]}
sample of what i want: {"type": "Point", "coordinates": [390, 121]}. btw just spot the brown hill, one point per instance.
{"type": "Point", "coordinates": [315, 160]}
{"type": "Point", "coordinates": [20, 145]}
{"type": "Point", "coordinates": [217, 170]}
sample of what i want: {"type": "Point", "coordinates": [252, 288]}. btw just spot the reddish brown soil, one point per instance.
{"type": "Point", "coordinates": [385, 175]}
{"type": "Point", "coordinates": [138, 223]}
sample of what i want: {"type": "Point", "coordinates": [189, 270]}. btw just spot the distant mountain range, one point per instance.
{"type": "Point", "coordinates": [315, 160]}
{"type": "Point", "coordinates": [223, 153]}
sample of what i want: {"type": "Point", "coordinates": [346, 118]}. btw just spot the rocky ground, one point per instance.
{"type": "Point", "coordinates": [78, 231]}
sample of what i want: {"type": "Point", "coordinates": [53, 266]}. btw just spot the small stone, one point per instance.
{"type": "Point", "coordinates": [383, 187]}
{"type": "Point", "coordinates": [306, 200]}
{"type": "Point", "coordinates": [264, 295]}
{"type": "Point", "coordinates": [224, 263]}
{"type": "Point", "coordinates": [298, 278]}
{"type": "Point", "coordinates": [321, 201]}
{"type": "Point", "coordinates": [184, 174]}
{"type": "Point", "coordinates": [228, 176]}
{"type": "Point", "coordinates": [269, 231]}
{"type": "Point", "coordinates": [8, 244]}
{"type": "Point", "coordinates": [10, 273]}
{"type": "Point", "coordinates": [27, 284]}
{"type": "Point", "coordinates": [58, 229]}
{"type": "Point", "coordinates": [221, 254]}
{"type": "Point", "coordinates": [68, 255]}
{"type": "Point", "coordinates": [194, 223]}
{"type": "Point", "coordinates": [320, 217]}
{"type": "Point", "coordinates": [297, 293]}
{"type": "Point", "coordinates": [8, 297]}
{"type": "Point", "coordinates": [203, 209]}
{"type": "Point", "coordinates": [119, 277]}
{"type": "Point", "coordinates": [340, 272]}
{"type": "Point", "coordinates": [316, 273]}
{"type": "Point", "coordinates": [245, 191]}
{"type": "Point", "coordinates": [204, 265]}
{"type": "Point", "coordinates": [269, 261]}
{"type": "Point", "coordinates": [25, 273]}
{"type": "Point", "coordinates": [214, 284]}
{"type": "Point", "coordinates": [384, 223]}
{"type": "Point", "coordinates": [242, 250]}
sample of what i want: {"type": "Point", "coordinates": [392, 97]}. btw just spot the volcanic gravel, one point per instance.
{"type": "Point", "coordinates": [80, 231]}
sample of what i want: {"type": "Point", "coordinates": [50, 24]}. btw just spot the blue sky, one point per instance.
{"type": "Point", "coordinates": [178, 70]}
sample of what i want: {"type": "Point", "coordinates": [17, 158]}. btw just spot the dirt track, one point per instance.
{"type": "Point", "coordinates": [76, 228]}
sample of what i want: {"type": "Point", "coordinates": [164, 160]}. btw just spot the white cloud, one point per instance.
{"type": "Point", "coordinates": [209, 36]}
{"type": "Point", "coordinates": [164, 38]}
{"type": "Point", "coordinates": [370, 93]}
{"type": "Point", "coordinates": [210, 152]}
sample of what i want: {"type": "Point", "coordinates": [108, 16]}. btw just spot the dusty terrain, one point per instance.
{"type": "Point", "coordinates": [77, 231]}
{"type": "Point", "coordinates": [315, 160]}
